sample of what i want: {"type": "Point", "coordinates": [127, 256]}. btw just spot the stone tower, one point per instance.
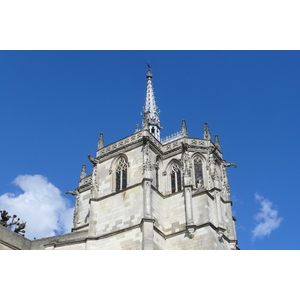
{"type": "Point", "coordinates": [149, 193]}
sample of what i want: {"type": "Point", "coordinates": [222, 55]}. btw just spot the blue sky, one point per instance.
{"type": "Point", "coordinates": [55, 104]}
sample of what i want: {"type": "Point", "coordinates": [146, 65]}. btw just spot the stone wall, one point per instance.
{"type": "Point", "coordinates": [10, 240]}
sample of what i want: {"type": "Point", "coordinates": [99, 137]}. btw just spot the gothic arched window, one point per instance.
{"type": "Point", "coordinates": [176, 181]}
{"type": "Point", "coordinates": [121, 174]}
{"type": "Point", "coordinates": [198, 172]}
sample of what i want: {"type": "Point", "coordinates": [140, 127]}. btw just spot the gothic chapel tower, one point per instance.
{"type": "Point", "coordinates": [149, 193]}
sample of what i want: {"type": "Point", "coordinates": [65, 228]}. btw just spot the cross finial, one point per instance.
{"type": "Point", "coordinates": [149, 67]}
{"type": "Point", "coordinates": [206, 132]}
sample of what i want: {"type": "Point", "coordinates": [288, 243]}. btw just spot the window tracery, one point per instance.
{"type": "Point", "coordinates": [198, 172]}
{"type": "Point", "coordinates": [176, 178]}
{"type": "Point", "coordinates": [121, 174]}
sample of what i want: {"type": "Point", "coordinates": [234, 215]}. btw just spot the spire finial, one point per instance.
{"type": "Point", "coordinates": [83, 172]}
{"type": "Point", "coordinates": [101, 141]}
{"type": "Point", "coordinates": [184, 129]}
{"type": "Point", "coordinates": [145, 124]}
{"type": "Point", "coordinates": [151, 111]}
{"type": "Point", "coordinates": [217, 142]}
{"type": "Point", "coordinates": [206, 132]}
{"type": "Point", "coordinates": [149, 67]}
{"type": "Point", "coordinates": [149, 74]}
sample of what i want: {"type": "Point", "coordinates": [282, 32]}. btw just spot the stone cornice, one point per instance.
{"type": "Point", "coordinates": [8, 245]}
{"type": "Point", "coordinates": [127, 143]}
{"type": "Point", "coordinates": [165, 150]}
{"type": "Point", "coordinates": [226, 202]}
{"type": "Point", "coordinates": [79, 227]}
{"type": "Point", "coordinates": [147, 220]}
{"type": "Point", "coordinates": [114, 193]}
{"type": "Point", "coordinates": [208, 192]}
{"type": "Point", "coordinates": [208, 224]}
{"type": "Point", "coordinates": [99, 237]}
{"type": "Point", "coordinates": [57, 243]}
{"type": "Point", "coordinates": [85, 182]}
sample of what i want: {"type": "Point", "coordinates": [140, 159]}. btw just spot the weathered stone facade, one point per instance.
{"type": "Point", "coordinates": [145, 193]}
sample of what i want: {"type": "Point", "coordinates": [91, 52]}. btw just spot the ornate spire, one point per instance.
{"type": "Point", "coordinates": [206, 132]}
{"type": "Point", "coordinates": [151, 112]}
{"type": "Point", "coordinates": [184, 129]}
{"type": "Point", "coordinates": [217, 142]}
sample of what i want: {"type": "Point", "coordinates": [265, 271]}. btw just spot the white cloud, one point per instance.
{"type": "Point", "coordinates": [42, 206]}
{"type": "Point", "coordinates": [267, 219]}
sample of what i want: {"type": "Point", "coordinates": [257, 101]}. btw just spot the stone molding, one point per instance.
{"type": "Point", "coordinates": [79, 227]}
{"type": "Point", "coordinates": [85, 182]}
{"type": "Point", "coordinates": [195, 227]}
{"type": "Point", "coordinates": [118, 192]}
{"type": "Point", "coordinates": [136, 138]}
{"type": "Point", "coordinates": [147, 220]}
{"type": "Point", "coordinates": [56, 243]}
{"type": "Point", "coordinates": [10, 246]}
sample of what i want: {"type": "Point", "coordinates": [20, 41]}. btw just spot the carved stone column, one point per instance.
{"type": "Point", "coordinates": [147, 221]}
{"type": "Point", "coordinates": [189, 210]}
{"type": "Point", "coordinates": [220, 218]}
{"type": "Point", "coordinates": [187, 187]}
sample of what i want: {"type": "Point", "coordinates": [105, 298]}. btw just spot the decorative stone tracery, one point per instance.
{"type": "Point", "coordinates": [121, 174]}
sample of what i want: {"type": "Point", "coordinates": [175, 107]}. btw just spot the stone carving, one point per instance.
{"type": "Point", "coordinates": [184, 129]}
{"type": "Point", "coordinates": [186, 164]}
{"type": "Point", "coordinates": [228, 164]}
{"type": "Point", "coordinates": [86, 181]}
{"type": "Point", "coordinates": [212, 166]}
{"type": "Point", "coordinates": [93, 160]}
{"type": "Point", "coordinates": [199, 183]}
{"type": "Point", "coordinates": [217, 142]}
{"type": "Point", "coordinates": [74, 193]}
{"type": "Point", "coordinates": [101, 141]}
{"type": "Point", "coordinates": [118, 146]}
{"type": "Point", "coordinates": [225, 165]}
{"type": "Point", "coordinates": [83, 172]}
{"type": "Point", "coordinates": [145, 123]}
{"type": "Point", "coordinates": [176, 167]}
{"type": "Point", "coordinates": [174, 136]}
{"type": "Point", "coordinates": [220, 233]}
{"type": "Point", "coordinates": [146, 157]}
{"type": "Point", "coordinates": [75, 216]}
{"type": "Point", "coordinates": [206, 132]}
{"type": "Point", "coordinates": [233, 246]}
{"type": "Point", "coordinates": [191, 232]}
{"type": "Point", "coordinates": [93, 192]}
{"type": "Point", "coordinates": [95, 179]}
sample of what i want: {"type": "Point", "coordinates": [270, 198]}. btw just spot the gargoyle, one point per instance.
{"type": "Point", "coordinates": [228, 164]}
{"type": "Point", "coordinates": [93, 160]}
{"type": "Point", "coordinates": [74, 193]}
